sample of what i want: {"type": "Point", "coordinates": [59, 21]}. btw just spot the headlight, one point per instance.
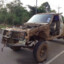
{"type": "Point", "coordinates": [7, 33]}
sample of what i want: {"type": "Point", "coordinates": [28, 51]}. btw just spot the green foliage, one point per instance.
{"type": "Point", "coordinates": [16, 14]}
{"type": "Point", "coordinates": [53, 11]}
{"type": "Point", "coordinates": [45, 7]}
{"type": "Point", "coordinates": [32, 10]}
{"type": "Point", "coordinates": [40, 9]}
{"type": "Point", "coordinates": [3, 15]}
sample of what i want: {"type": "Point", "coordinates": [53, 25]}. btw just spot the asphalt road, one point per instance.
{"type": "Point", "coordinates": [25, 56]}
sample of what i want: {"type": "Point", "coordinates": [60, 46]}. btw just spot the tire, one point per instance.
{"type": "Point", "coordinates": [40, 51]}
{"type": "Point", "coordinates": [15, 48]}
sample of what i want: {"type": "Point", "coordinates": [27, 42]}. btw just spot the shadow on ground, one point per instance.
{"type": "Point", "coordinates": [27, 57]}
{"type": "Point", "coordinates": [58, 41]}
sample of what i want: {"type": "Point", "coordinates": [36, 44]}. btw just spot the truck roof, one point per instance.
{"type": "Point", "coordinates": [50, 13]}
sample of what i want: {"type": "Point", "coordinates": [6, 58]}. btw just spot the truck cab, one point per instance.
{"type": "Point", "coordinates": [53, 20]}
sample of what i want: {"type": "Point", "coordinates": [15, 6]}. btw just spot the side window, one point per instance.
{"type": "Point", "coordinates": [56, 18]}
{"type": "Point", "coordinates": [61, 25]}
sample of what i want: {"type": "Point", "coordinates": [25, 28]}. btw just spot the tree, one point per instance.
{"type": "Point", "coordinates": [45, 7]}
{"type": "Point", "coordinates": [53, 11]}
{"type": "Point", "coordinates": [17, 12]}
{"type": "Point", "coordinates": [32, 10]}
{"type": "Point", "coordinates": [3, 15]}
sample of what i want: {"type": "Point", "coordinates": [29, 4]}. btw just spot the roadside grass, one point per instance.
{"type": "Point", "coordinates": [4, 26]}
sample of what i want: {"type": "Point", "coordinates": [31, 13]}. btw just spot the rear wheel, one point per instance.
{"type": "Point", "coordinates": [40, 51]}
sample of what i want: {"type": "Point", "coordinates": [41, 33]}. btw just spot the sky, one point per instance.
{"type": "Point", "coordinates": [53, 3]}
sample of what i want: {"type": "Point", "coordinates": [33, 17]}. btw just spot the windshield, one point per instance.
{"type": "Point", "coordinates": [40, 18]}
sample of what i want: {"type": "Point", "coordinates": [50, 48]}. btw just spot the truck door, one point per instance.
{"type": "Point", "coordinates": [55, 26]}
{"type": "Point", "coordinates": [61, 24]}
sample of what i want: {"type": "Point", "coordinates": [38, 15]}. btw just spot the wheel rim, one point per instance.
{"type": "Point", "coordinates": [43, 52]}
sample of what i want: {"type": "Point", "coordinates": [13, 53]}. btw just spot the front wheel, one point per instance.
{"type": "Point", "coordinates": [40, 51]}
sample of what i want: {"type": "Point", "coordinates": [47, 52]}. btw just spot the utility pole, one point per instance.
{"type": "Point", "coordinates": [59, 9]}
{"type": "Point", "coordinates": [36, 6]}
{"type": "Point", "coordinates": [47, 9]}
